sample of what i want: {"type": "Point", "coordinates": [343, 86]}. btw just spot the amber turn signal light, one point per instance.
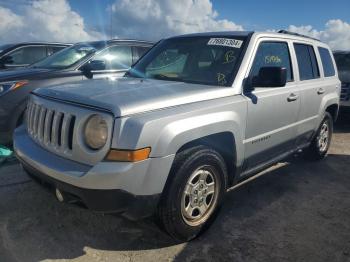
{"type": "Point", "coordinates": [19, 84]}
{"type": "Point", "coordinates": [128, 155]}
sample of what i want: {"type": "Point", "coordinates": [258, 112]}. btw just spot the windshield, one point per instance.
{"type": "Point", "coordinates": [3, 47]}
{"type": "Point", "coordinates": [202, 60]}
{"type": "Point", "coordinates": [67, 57]}
{"type": "Point", "coordinates": [343, 61]}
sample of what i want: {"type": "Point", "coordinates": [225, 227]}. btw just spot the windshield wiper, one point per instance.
{"type": "Point", "coordinates": [165, 77]}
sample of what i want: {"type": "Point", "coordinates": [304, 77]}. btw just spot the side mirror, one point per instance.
{"type": "Point", "coordinates": [270, 77]}
{"type": "Point", "coordinates": [93, 65]}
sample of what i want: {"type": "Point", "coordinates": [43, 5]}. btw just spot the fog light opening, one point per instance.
{"type": "Point", "coordinates": [59, 195]}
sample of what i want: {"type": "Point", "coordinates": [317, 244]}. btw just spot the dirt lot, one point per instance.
{"type": "Point", "coordinates": [298, 211]}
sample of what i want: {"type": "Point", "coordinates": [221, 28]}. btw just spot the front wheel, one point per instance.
{"type": "Point", "coordinates": [193, 194]}
{"type": "Point", "coordinates": [322, 140]}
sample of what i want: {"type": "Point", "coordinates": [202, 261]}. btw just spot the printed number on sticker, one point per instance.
{"type": "Point", "coordinates": [226, 42]}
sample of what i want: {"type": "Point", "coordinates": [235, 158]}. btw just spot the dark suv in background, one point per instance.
{"type": "Point", "coordinates": [24, 54]}
{"type": "Point", "coordinates": [342, 59]}
{"type": "Point", "coordinates": [99, 59]}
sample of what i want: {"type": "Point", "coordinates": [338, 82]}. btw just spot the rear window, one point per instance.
{"type": "Point", "coordinates": [307, 63]}
{"type": "Point", "coordinates": [327, 62]}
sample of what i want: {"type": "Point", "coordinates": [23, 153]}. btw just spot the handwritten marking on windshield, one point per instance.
{"type": "Point", "coordinates": [221, 79]}
{"type": "Point", "coordinates": [229, 57]}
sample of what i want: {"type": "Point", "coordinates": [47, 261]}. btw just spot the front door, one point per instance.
{"type": "Point", "coordinates": [272, 111]}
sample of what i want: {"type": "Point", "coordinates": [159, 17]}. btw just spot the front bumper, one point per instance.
{"type": "Point", "coordinates": [6, 126]}
{"type": "Point", "coordinates": [10, 113]}
{"type": "Point", "coordinates": [5, 138]}
{"type": "Point", "coordinates": [106, 201]}
{"type": "Point", "coordinates": [130, 188]}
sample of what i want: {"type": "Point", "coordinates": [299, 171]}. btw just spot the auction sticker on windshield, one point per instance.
{"type": "Point", "coordinates": [226, 42]}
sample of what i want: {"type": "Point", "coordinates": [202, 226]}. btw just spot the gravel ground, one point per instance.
{"type": "Point", "coordinates": [298, 211]}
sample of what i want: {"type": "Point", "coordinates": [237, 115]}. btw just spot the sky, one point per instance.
{"type": "Point", "coordinates": [80, 20]}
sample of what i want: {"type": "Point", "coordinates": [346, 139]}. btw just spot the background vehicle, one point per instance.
{"type": "Point", "coordinates": [81, 61]}
{"type": "Point", "coordinates": [197, 115]}
{"type": "Point", "coordinates": [342, 59]}
{"type": "Point", "coordinates": [24, 54]}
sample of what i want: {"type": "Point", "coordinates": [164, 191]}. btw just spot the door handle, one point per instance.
{"type": "Point", "coordinates": [292, 97]}
{"type": "Point", "coordinates": [321, 91]}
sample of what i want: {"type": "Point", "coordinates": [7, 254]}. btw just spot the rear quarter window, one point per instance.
{"type": "Point", "coordinates": [327, 62]}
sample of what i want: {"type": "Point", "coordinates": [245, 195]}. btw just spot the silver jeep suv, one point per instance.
{"type": "Point", "coordinates": [197, 115]}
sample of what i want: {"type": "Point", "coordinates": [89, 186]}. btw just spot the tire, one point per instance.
{"type": "Point", "coordinates": [322, 140]}
{"type": "Point", "coordinates": [193, 193]}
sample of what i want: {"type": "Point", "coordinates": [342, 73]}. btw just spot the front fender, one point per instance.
{"type": "Point", "coordinates": [166, 131]}
{"type": "Point", "coordinates": [180, 132]}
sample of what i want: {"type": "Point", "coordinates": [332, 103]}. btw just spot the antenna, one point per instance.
{"type": "Point", "coordinates": [111, 19]}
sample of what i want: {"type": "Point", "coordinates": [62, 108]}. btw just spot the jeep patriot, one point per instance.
{"type": "Point", "coordinates": [197, 115]}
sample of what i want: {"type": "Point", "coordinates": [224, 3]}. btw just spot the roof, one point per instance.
{"type": "Point", "coordinates": [131, 40]}
{"type": "Point", "coordinates": [281, 33]}
{"type": "Point", "coordinates": [39, 43]}
{"type": "Point", "coordinates": [216, 34]}
{"type": "Point", "coordinates": [104, 43]}
{"type": "Point", "coordinates": [338, 52]}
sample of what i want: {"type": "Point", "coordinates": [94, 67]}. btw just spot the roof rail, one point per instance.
{"type": "Point", "coordinates": [296, 34]}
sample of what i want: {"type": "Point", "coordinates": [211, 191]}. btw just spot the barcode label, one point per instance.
{"type": "Point", "coordinates": [226, 42]}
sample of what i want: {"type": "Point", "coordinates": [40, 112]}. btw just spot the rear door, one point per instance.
{"type": "Point", "coordinates": [272, 111]}
{"type": "Point", "coordinates": [313, 87]}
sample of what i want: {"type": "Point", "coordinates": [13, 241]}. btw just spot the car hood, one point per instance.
{"type": "Point", "coordinates": [22, 73]}
{"type": "Point", "coordinates": [344, 76]}
{"type": "Point", "coordinates": [127, 96]}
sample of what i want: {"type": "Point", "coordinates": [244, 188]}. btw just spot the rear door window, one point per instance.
{"type": "Point", "coordinates": [272, 54]}
{"type": "Point", "coordinates": [327, 62]}
{"type": "Point", "coordinates": [307, 62]}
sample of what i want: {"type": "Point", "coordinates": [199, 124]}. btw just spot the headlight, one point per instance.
{"type": "Point", "coordinates": [96, 132]}
{"type": "Point", "coordinates": [8, 86]}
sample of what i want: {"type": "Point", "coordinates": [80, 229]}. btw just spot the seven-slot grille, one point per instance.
{"type": "Point", "coordinates": [345, 92]}
{"type": "Point", "coordinates": [50, 128]}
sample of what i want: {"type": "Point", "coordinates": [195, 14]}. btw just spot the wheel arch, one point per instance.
{"type": "Point", "coordinates": [224, 143]}
{"type": "Point", "coordinates": [333, 110]}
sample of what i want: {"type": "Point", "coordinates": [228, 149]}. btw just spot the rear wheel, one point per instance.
{"type": "Point", "coordinates": [322, 141]}
{"type": "Point", "coordinates": [193, 194]}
